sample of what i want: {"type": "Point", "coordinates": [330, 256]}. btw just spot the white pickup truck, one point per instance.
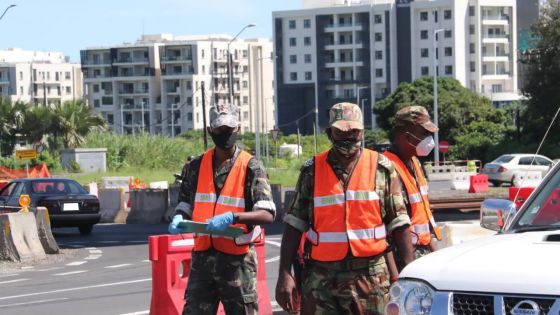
{"type": "Point", "coordinates": [516, 271]}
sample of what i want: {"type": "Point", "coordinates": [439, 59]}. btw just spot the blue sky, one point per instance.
{"type": "Point", "coordinates": [71, 25]}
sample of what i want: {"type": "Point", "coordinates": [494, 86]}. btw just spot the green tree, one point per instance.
{"type": "Point", "coordinates": [38, 122]}
{"type": "Point", "coordinates": [543, 80]}
{"type": "Point", "coordinates": [73, 121]}
{"type": "Point", "coordinates": [461, 112]}
{"type": "Point", "coordinates": [12, 116]}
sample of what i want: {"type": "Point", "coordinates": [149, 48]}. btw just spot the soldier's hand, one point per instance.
{"type": "Point", "coordinates": [220, 222]}
{"type": "Point", "coordinates": [173, 226]}
{"type": "Point", "coordinates": [287, 295]}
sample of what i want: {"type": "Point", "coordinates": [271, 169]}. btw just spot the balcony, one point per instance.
{"type": "Point", "coordinates": [495, 19]}
{"type": "Point", "coordinates": [98, 62]}
{"type": "Point", "coordinates": [4, 81]}
{"type": "Point", "coordinates": [130, 60]}
{"type": "Point", "coordinates": [330, 45]}
{"type": "Point", "coordinates": [179, 73]}
{"type": "Point", "coordinates": [176, 59]}
{"type": "Point", "coordinates": [340, 27]}
{"type": "Point", "coordinates": [133, 91]}
{"type": "Point", "coordinates": [347, 62]}
{"type": "Point", "coordinates": [495, 38]}
{"type": "Point", "coordinates": [498, 57]}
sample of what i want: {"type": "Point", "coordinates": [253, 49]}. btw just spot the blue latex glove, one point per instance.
{"type": "Point", "coordinates": [220, 222]}
{"type": "Point", "coordinates": [172, 228]}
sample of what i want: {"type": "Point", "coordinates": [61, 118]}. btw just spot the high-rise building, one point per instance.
{"type": "Point", "coordinates": [156, 83]}
{"type": "Point", "coordinates": [39, 77]}
{"type": "Point", "coordinates": [333, 51]}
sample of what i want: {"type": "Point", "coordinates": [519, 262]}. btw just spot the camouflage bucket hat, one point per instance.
{"type": "Point", "coordinates": [224, 115]}
{"type": "Point", "coordinates": [415, 115]}
{"type": "Point", "coordinates": [346, 116]}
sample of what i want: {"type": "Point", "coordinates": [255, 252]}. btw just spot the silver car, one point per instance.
{"type": "Point", "coordinates": [502, 169]}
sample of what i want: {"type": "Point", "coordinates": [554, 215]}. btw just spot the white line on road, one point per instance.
{"type": "Point", "coordinates": [276, 258]}
{"type": "Point", "coordinates": [9, 275]}
{"type": "Point", "coordinates": [49, 269]}
{"type": "Point", "coordinates": [138, 313]}
{"type": "Point", "coordinates": [76, 263]}
{"type": "Point", "coordinates": [27, 267]}
{"type": "Point", "coordinates": [13, 281]}
{"type": "Point", "coordinates": [145, 260]}
{"type": "Point", "coordinates": [70, 273]}
{"type": "Point", "coordinates": [34, 302]}
{"type": "Point", "coordinates": [273, 243]}
{"type": "Point", "coordinates": [90, 257]}
{"type": "Point", "coordinates": [109, 242]}
{"type": "Point", "coordinates": [75, 289]}
{"type": "Point", "coordinates": [95, 251]}
{"type": "Point", "coordinates": [138, 242]}
{"type": "Point", "coordinates": [118, 266]}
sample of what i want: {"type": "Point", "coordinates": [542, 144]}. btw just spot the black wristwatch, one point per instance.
{"type": "Point", "coordinates": [235, 218]}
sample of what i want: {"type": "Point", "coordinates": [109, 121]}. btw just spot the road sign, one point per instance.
{"type": "Point", "coordinates": [274, 133]}
{"type": "Point", "coordinates": [443, 146]}
{"type": "Point", "coordinates": [26, 154]}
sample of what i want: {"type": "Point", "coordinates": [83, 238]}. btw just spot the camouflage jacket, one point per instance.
{"type": "Point", "coordinates": [258, 194]}
{"type": "Point", "coordinates": [387, 185]}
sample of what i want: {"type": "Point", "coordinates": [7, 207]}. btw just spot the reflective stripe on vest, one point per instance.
{"type": "Point", "coordinates": [346, 222]}
{"type": "Point", "coordinates": [231, 199]}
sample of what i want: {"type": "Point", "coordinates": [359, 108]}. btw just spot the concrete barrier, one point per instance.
{"type": "Point", "coordinates": [111, 201]}
{"type": "Point", "coordinates": [44, 230]}
{"type": "Point", "coordinates": [19, 240]}
{"type": "Point", "coordinates": [173, 192]}
{"type": "Point", "coordinates": [148, 206]}
{"type": "Point", "coordinates": [458, 232]}
{"type": "Point", "coordinates": [527, 178]}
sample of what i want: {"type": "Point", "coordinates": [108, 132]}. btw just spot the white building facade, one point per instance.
{"type": "Point", "coordinates": [38, 77]}
{"type": "Point", "coordinates": [156, 84]}
{"type": "Point", "coordinates": [331, 50]}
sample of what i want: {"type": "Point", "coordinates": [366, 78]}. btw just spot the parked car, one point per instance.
{"type": "Point", "coordinates": [513, 272]}
{"type": "Point", "coordinates": [69, 204]}
{"type": "Point", "coordinates": [502, 170]}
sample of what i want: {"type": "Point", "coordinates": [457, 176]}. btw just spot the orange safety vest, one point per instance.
{"type": "Point", "coordinates": [417, 190]}
{"type": "Point", "coordinates": [346, 219]}
{"type": "Point", "coordinates": [208, 204]}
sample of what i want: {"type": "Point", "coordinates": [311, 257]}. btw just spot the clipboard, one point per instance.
{"type": "Point", "coordinates": [188, 226]}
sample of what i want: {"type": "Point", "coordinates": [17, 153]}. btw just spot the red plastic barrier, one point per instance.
{"type": "Point", "coordinates": [523, 194]}
{"type": "Point", "coordinates": [478, 183]}
{"type": "Point", "coordinates": [167, 253]}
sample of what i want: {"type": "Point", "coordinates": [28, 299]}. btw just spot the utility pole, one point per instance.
{"type": "Point", "coordinates": [363, 122]}
{"type": "Point", "coordinates": [298, 139]}
{"type": "Point", "coordinates": [257, 113]}
{"type": "Point", "coordinates": [143, 122]}
{"type": "Point", "coordinates": [173, 120]}
{"type": "Point", "coordinates": [204, 115]}
{"type": "Point", "coordinates": [436, 134]}
{"type": "Point", "coordinates": [122, 119]}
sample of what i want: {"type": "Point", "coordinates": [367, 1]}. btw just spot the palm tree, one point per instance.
{"type": "Point", "coordinates": [73, 121]}
{"type": "Point", "coordinates": [12, 116]}
{"type": "Point", "coordinates": [37, 123]}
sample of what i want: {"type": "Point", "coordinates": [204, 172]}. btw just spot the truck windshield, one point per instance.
{"type": "Point", "coordinates": [544, 210]}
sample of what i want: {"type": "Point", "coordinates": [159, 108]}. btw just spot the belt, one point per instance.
{"type": "Point", "coordinates": [347, 264]}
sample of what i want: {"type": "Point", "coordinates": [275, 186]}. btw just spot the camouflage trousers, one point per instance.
{"type": "Point", "coordinates": [329, 291]}
{"type": "Point", "coordinates": [217, 277]}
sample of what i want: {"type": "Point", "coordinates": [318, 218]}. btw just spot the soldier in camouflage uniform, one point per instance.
{"type": "Point", "coordinates": [351, 285]}
{"type": "Point", "coordinates": [216, 276]}
{"type": "Point", "coordinates": [413, 137]}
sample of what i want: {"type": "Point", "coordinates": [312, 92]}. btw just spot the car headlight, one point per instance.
{"type": "Point", "coordinates": [410, 298]}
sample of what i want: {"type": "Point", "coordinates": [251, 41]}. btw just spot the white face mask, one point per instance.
{"type": "Point", "coordinates": [425, 146]}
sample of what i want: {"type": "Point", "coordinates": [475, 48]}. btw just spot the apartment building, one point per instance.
{"type": "Point", "coordinates": [38, 77]}
{"type": "Point", "coordinates": [333, 51]}
{"type": "Point", "coordinates": [157, 83]}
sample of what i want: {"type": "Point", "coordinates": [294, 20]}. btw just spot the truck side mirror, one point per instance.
{"type": "Point", "coordinates": [496, 213]}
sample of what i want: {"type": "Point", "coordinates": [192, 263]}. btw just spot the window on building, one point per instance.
{"type": "Point", "coordinates": [21, 90]}
{"type": "Point", "coordinates": [307, 58]}
{"type": "Point", "coordinates": [307, 41]}
{"type": "Point", "coordinates": [245, 53]}
{"type": "Point", "coordinates": [245, 84]}
{"type": "Point", "coordinates": [292, 41]}
{"type": "Point", "coordinates": [349, 93]}
{"type": "Point", "coordinates": [378, 37]}
{"type": "Point", "coordinates": [377, 19]}
{"type": "Point", "coordinates": [202, 53]}
{"type": "Point", "coordinates": [424, 53]}
{"type": "Point", "coordinates": [471, 29]}
{"type": "Point", "coordinates": [473, 66]}
{"type": "Point", "coordinates": [447, 15]}
{"type": "Point", "coordinates": [68, 90]}
{"type": "Point", "coordinates": [424, 34]}
{"type": "Point", "coordinates": [189, 116]}
{"type": "Point", "coordinates": [189, 85]}
{"type": "Point", "coordinates": [448, 33]}
{"type": "Point", "coordinates": [245, 115]}
{"type": "Point", "coordinates": [378, 73]}
{"type": "Point", "coordinates": [308, 76]}
{"type": "Point", "coordinates": [378, 54]}
{"type": "Point", "coordinates": [471, 48]}
{"type": "Point", "coordinates": [67, 75]}
{"type": "Point", "coordinates": [496, 88]}
{"type": "Point", "coordinates": [293, 76]}
{"type": "Point", "coordinates": [424, 70]}
{"type": "Point", "coordinates": [448, 70]}
{"type": "Point", "coordinates": [189, 101]}
{"type": "Point", "coordinates": [448, 51]}
{"type": "Point", "coordinates": [245, 99]}
{"type": "Point", "coordinates": [435, 16]}
{"type": "Point", "coordinates": [293, 58]}
{"type": "Point", "coordinates": [471, 10]}
{"type": "Point", "coordinates": [292, 24]}
{"type": "Point", "coordinates": [307, 23]}
{"type": "Point", "coordinates": [56, 76]}
{"type": "Point", "coordinates": [329, 94]}
{"type": "Point", "coordinates": [96, 88]}
{"type": "Point", "coordinates": [423, 16]}
{"type": "Point", "coordinates": [110, 119]}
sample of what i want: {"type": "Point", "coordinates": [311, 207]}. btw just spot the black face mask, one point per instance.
{"type": "Point", "coordinates": [347, 148]}
{"type": "Point", "coordinates": [224, 141]}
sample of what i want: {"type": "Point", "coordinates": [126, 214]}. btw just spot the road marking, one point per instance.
{"type": "Point", "coordinates": [138, 313]}
{"type": "Point", "coordinates": [9, 275]}
{"type": "Point", "coordinates": [49, 269]}
{"type": "Point", "coordinates": [118, 266]}
{"type": "Point", "coordinates": [75, 289]}
{"type": "Point", "coordinates": [146, 261]}
{"type": "Point", "coordinates": [276, 258]}
{"type": "Point", "coordinates": [69, 273]}
{"type": "Point", "coordinates": [95, 251]}
{"type": "Point", "coordinates": [109, 242]}
{"type": "Point", "coordinates": [75, 246]}
{"type": "Point", "coordinates": [90, 257]}
{"type": "Point", "coordinates": [273, 243]}
{"type": "Point", "coordinates": [76, 263]}
{"type": "Point", "coordinates": [13, 281]}
{"type": "Point", "coordinates": [27, 267]}
{"type": "Point", "coordinates": [34, 302]}
{"type": "Point", "coordinates": [140, 242]}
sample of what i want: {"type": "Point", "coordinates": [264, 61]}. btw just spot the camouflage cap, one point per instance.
{"type": "Point", "coordinates": [224, 115]}
{"type": "Point", "coordinates": [415, 115]}
{"type": "Point", "coordinates": [346, 116]}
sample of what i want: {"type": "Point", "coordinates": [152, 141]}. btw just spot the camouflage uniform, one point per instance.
{"type": "Point", "coordinates": [218, 277]}
{"type": "Point", "coordinates": [328, 290]}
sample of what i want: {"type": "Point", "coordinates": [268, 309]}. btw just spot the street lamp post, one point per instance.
{"type": "Point", "coordinates": [362, 107]}
{"type": "Point", "coordinates": [229, 63]}
{"type": "Point", "coordinates": [6, 10]}
{"type": "Point", "coordinates": [436, 134]}
{"type": "Point", "coordinates": [143, 122]}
